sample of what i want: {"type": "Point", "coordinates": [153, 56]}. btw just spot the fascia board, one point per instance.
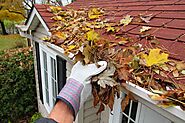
{"type": "Point", "coordinates": [31, 20]}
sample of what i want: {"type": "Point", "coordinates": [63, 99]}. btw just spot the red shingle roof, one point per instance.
{"type": "Point", "coordinates": [168, 22]}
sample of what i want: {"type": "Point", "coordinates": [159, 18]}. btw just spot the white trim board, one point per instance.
{"type": "Point", "coordinates": [175, 114]}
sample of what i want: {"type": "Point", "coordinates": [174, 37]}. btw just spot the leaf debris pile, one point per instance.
{"type": "Point", "coordinates": [84, 33]}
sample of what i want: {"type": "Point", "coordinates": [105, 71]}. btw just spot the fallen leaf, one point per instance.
{"type": "Point", "coordinates": [176, 73]}
{"type": "Point", "coordinates": [111, 99]}
{"type": "Point", "coordinates": [146, 18]}
{"type": "Point", "coordinates": [126, 20]}
{"type": "Point", "coordinates": [124, 103]}
{"type": "Point", "coordinates": [87, 54]}
{"type": "Point", "coordinates": [165, 104]}
{"type": "Point", "coordinates": [92, 35]}
{"type": "Point", "coordinates": [105, 78]}
{"type": "Point", "coordinates": [156, 71]}
{"type": "Point", "coordinates": [183, 72]}
{"type": "Point", "coordinates": [45, 38]}
{"type": "Point", "coordinates": [94, 13]}
{"type": "Point", "coordinates": [145, 28]}
{"type": "Point", "coordinates": [102, 108]}
{"type": "Point", "coordinates": [157, 91]}
{"type": "Point", "coordinates": [156, 97]}
{"type": "Point", "coordinates": [138, 79]}
{"type": "Point", "coordinates": [110, 29]}
{"type": "Point", "coordinates": [180, 66]}
{"type": "Point", "coordinates": [95, 96]}
{"type": "Point", "coordinates": [165, 67]}
{"type": "Point", "coordinates": [155, 57]}
{"type": "Point", "coordinates": [103, 81]}
{"type": "Point", "coordinates": [79, 56]}
{"type": "Point", "coordinates": [71, 47]}
{"type": "Point", "coordinates": [60, 35]}
{"type": "Point", "coordinates": [54, 9]}
{"type": "Point", "coordinates": [123, 73]}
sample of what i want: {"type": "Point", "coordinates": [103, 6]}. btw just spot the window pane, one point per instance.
{"type": "Point", "coordinates": [124, 119]}
{"type": "Point", "coordinates": [47, 97]}
{"type": "Point", "coordinates": [126, 111]}
{"type": "Point", "coordinates": [131, 121]}
{"type": "Point", "coordinates": [134, 110]}
{"type": "Point", "coordinates": [54, 88]}
{"type": "Point", "coordinates": [46, 79]}
{"type": "Point", "coordinates": [45, 60]}
{"type": "Point", "coordinates": [53, 68]}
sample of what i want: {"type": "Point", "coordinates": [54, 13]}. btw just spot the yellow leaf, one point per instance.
{"type": "Point", "coordinates": [71, 47]}
{"type": "Point", "coordinates": [92, 35]}
{"type": "Point", "coordinates": [60, 35]}
{"type": "Point", "coordinates": [156, 97]}
{"type": "Point", "coordinates": [145, 28]}
{"type": "Point", "coordinates": [155, 57]}
{"type": "Point", "coordinates": [58, 18]}
{"type": "Point", "coordinates": [94, 13]}
{"type": "Point", "coordinates": [45, 38]}
{"type": "Point", "coordinates": [110, 29]}
{"type": "Point", "coordinates": [125, 21]}
{"type": "Point", "coordinates": [55, 9]}
{"type": "Point", "coordinates": [165, 104]}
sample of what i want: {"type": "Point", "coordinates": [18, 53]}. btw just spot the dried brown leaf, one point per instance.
{"type": "Point", "coordinates": [176, 73]}
{"type": "Point", "coordinates": [125, 102]}
{"type": "Point", "coordinates": [102, 108]}
{"type": "Point", "coordinates": [146, 18]}
{"type": "Point", "coordinates": [123, 73]}
{"type": "Point", "coordinates": [111, 99]}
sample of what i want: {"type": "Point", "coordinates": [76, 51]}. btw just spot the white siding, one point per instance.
{"type": "Point", "coordinates": [88, 114]}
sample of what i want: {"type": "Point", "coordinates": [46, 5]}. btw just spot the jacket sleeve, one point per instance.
{"type": "Point", "coordinates": [45, 120]}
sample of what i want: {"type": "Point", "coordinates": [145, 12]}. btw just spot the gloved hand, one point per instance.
{"type": "Point", "coordinates": [78, 86]}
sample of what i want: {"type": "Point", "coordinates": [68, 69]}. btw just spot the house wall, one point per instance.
{"type": "Point", "coordinates": [39, 33]}
{"type": "Point", "coordinates": [87, 114]}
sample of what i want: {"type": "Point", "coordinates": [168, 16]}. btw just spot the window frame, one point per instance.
{"type": "Point", "coordinates": [50, 55]}
{"type": "Point", "coordinates": [116, 115]}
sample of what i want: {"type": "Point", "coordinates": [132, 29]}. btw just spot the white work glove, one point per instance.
{"type": "Point", "coordinates": [83, 73]}
{"type": "Point", "coordinates": [78, 86]}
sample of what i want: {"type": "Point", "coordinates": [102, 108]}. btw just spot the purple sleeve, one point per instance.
{"type": "Point", "coordinates": [45, 120]}
{"type": "Point", "coordinates": [70, 95]}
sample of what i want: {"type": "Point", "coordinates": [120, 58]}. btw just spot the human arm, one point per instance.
{"type": "Point", "coordinates": [75, 92]}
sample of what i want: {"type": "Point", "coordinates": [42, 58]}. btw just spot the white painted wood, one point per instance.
{"type": "Point", "coordinates": [175, 114]}
{"type": "Point", "coordinates": [150, 116]}
{"type": "Point", "coordinates": [105, 115]}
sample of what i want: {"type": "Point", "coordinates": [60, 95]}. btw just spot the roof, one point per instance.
{"type": "Point", "coordinates": [168, 21]}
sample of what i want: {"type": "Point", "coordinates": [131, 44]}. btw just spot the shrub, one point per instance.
{"type": "Point", "coordinates": [17, 85]}
{"type": "Point", "coordinates": [35, 117]}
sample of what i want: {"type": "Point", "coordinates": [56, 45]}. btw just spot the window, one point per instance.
{"type": "Point", "coordinates": [129, 115]}
{"type": "Point", "coordinates": [53, 79]}
{"type": "Point", "coordinates": [49, 78]}
{"type": "Point", "coordinates": [46, 77]}
{"type": "Point", "coordinates": [53, 75]}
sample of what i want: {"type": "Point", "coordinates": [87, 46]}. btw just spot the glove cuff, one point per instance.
{"type": "Point", "coordinates": [70, 95]}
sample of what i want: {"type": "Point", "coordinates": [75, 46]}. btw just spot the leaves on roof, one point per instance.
{"type": "Point", "coordinates": [126, 20]}
{"type": "Point", "coordinates": [91, 37]}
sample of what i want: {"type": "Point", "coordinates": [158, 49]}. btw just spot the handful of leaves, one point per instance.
{"type": "Point", "coordinates": [80, 32]}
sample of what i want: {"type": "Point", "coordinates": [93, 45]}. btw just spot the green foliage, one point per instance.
{"type": "Point", "coordinates": [35, 117]}
{"type": "Point", "coordinates": [17, 85]}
